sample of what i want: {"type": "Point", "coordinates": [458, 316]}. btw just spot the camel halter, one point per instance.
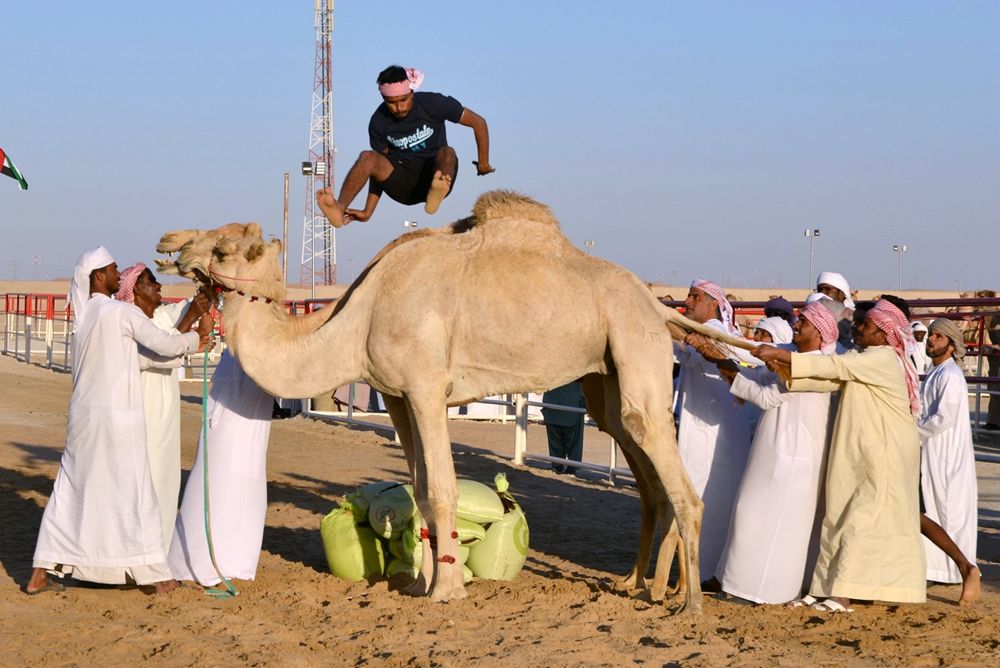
{"type": "Point", "coordinates": [252, 298]}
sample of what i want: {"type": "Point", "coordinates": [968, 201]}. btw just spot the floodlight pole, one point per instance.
{"type": "Point", "coordinates": [812, 234]}
{"type": "Point", "coordinates": [284, 237]}
{"type": "Point", "coordinates": [899, 249]}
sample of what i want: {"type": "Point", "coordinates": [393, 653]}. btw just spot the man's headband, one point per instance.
{"type": "Point", "coordinates": [413, 80]}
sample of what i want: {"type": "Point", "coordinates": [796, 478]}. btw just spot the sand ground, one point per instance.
{"type": "Point", "coordinates": [563, 610]}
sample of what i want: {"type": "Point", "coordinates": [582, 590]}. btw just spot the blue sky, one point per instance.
{"type": "Point", "coordinates": [685, 138]}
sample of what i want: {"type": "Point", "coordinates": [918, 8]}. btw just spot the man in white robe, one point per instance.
{"type": "Point", "coordinates": [102, 521]}
{"type": "Point", "coordinates": [714, 430]}
{"type": "Point", "coordinates": [948, 463]}
{"type": "Point", "coordinates": [921, 362]}
{"type": "Point", "coordinates": [161, 386]}
{"type": "Point", "coordinates": [870, 546]}
{"type": "Point", "coordinates": [239, 422]}
{"type": "Point", "coordinates": [767, 556]}
{"type": "Point", "coordinates": [838, 290]}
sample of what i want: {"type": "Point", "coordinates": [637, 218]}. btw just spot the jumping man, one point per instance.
{"type": "Point", "coordinates": [410, 158]}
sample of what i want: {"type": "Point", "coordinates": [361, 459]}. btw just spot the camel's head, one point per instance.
{"type": "Point", "coordinates": [234, 257]}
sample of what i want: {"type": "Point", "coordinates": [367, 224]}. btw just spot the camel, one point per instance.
{"type": "Point", "coordinates": [497, 303]}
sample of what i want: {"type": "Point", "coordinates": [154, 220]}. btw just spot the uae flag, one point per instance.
{"type": "Point", "coordinates": [7, 168]}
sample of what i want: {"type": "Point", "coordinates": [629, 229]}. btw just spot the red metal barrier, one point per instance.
{"type": "Point", "coordinates": [37, 304]}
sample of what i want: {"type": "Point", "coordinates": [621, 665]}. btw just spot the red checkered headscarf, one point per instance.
{"type": "Point", "coordinates": [823, 321]}
{"type": "Point", "coordinates": [725, 308]}
{"type": "Point", "coordinates": [899, 335]}
{"type": "Point", "coordinates": [127, 281]}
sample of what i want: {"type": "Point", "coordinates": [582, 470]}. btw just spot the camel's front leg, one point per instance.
{"type": "Point", "coordinates": [437, 497]}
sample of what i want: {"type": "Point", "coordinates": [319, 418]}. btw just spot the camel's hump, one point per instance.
{"type": "Point", "coordinates": [497, 204]}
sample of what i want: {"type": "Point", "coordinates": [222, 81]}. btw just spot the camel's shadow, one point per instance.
{"type": "Point", "coordinates": [587, 524]}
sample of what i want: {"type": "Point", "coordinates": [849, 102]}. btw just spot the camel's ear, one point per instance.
{"type": "Point", "coordinates": [276, 243]}
{"type": "Point", "coordinates": [225, 247]}
{"type": "Point", "coordinates": [253, 230]}
{"type": "Point", "coordinates": [255, 251]}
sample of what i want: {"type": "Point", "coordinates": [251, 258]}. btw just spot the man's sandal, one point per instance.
{"type": "Point", "coordinates": [50, 585]}
{"type": "Point", "coordinates": [830, 605]}
{"type": "Point", "coordinates": [804, 602]}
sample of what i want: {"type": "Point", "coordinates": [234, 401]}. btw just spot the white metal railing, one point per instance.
{"type": "Point", "coordinates": [46, 340]}
{"type": "Point", "coordinates": [37, 339]}
{"type": "Point", "coordinates": [520, 405]}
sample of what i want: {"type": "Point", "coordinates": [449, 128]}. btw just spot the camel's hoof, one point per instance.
{"type": "Point", "coordinates": [631, 582]}
{"type": "Point", "coordinates": [456, 594]}
{"type": "Point", "coordinates": [660, 592]}
{"type": "Point", "coordinates": [417, 588]}
{"type": "Point", "coordinates": [689, 608]}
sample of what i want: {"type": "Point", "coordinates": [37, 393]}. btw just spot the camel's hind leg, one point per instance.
{"type": "Point", "coordinates": [659, 446]}
{"type": "Point", "coordinates": [643, 361]}
{"type": "Point", "coordinates": [602, 395]}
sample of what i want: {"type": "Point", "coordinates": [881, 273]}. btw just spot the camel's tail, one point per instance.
{"type": "Point", "coordinates": [679, 326]}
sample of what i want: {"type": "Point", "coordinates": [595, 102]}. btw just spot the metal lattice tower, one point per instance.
{"type": "Point", "coordinates": [319, 245]}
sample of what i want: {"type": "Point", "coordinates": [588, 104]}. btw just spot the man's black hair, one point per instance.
{"type": "Point", "coordinates": [899, 303]}
{"type": "Point", "coordinates": [864, 306]}
{"type": "Point", "coordinates": [391, 74]}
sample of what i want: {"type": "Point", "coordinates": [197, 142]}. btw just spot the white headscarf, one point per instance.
{"type": "Point", "coordinates": [79, 288]}
{"type": "Point", "coordinates": [779, 330]}
{"type": "Point", "coordinates": [714, 291]}
{"type": "Point", "coordinates": [838, 281]}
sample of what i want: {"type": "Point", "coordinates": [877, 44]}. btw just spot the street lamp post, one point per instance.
{"type": "Point", "coordinates": [899, 249]}
{"type": "Point", "coordinates": [590, 243]}
{"type": "Point", "coordinates": [812, 234]}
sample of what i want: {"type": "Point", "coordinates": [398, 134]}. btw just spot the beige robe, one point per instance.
{"type": "Point", "coordinates": [870, 545]}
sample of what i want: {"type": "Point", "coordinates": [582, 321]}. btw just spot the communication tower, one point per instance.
{"type": "Point", "coordinates": [319, 244]}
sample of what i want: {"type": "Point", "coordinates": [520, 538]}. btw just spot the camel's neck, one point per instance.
{"type": "Point", "coordinates": [294, 357]}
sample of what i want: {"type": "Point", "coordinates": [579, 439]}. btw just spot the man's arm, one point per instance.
{"type": "Point", "coordinates": [363, 215]}
{"type": "Point", "coordinates": [946, 410]}
{"type": "Point", "coordinates": [471, 119]}
{"type": "Point", "coordinates": [198, 306]}
{"type": "Point", "coordinates": [759, 386]}
{"type": "Point", "coordinates": [155, 339]}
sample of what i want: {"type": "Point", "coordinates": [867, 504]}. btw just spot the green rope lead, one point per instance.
{"type": "Point", "coordinates": [230, 591]}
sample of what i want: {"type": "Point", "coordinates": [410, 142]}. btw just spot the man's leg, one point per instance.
{"type": "Point", "coordinates": [554, 436]}
{"type": "Point", "coordinates": [445, 168]}
{"type": "Point", "coordinates": [970, 572]}
{"type": "Point", "coordinates": [368, 165]}
{"type": "Point", "coordinates": [574, 444]}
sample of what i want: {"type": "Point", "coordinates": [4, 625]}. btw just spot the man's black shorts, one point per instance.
{"type": "Point", "coordinates": [410, 179]}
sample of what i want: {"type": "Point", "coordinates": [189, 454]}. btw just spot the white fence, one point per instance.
{"type": "Point", "coordinates": [520, 409]}
{"type": "Point", "coordinates": [37, 331]}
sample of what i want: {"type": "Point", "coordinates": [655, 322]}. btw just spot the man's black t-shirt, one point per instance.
{"type": "Point", "coordinates": [421, 134]}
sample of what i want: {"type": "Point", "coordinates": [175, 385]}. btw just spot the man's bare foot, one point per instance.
{"type": "Point", "coordinates": [440, 186]}
{"type": "Point", "coordinates": [331, 208]}
{"type": "Point", "coordinates": [166, 586]}
{"type": "Point", "coordinates": [40, 583]}
{"type": "Point", "coordinates": [970, 588]}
